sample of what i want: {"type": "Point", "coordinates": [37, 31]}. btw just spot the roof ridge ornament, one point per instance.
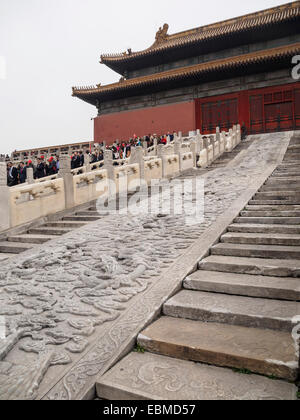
{"type": "Point", "coordinates": [162, 34]}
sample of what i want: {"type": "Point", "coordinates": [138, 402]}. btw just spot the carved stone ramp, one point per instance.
{"type": "Point", "coordinates": [240, 310]}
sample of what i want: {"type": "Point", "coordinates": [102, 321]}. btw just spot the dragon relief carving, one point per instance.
{"type": "Point", "coordinates": [53, 299]}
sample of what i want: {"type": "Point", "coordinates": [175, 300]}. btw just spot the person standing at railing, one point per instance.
{"type": "Point", "coordinates": [22, 173]}
{"type": "Point", "coordinates": [75, 161]}
{"type": "Point", "coordinates": [51, 167]}
{"type": "Point", "coordinates": [40, 171]}
{"type": "Point", "coordinates": [81, 159]}
{"type": "Point", "coordinates": [57, 164]}
{"type": "Point", "coordinates": [12, 175]}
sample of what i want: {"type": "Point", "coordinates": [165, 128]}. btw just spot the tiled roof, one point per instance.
{"type": "Point", "coordinates": [251, 21]}
{"type": "Point", "coordinates": [190, 71]}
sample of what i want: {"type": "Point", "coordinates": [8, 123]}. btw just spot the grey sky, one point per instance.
{"type": "Point", "coordinates": [51, 45]}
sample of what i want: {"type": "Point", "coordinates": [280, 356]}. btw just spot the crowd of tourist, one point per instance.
{"type": "Point", "coordinates": [122, 150]}
{"type": "Point", "coordinates": [18, 174]}
{"type": "Point", "coordinates": [48, 167]}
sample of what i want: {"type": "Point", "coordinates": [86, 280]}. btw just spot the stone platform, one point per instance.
{"type": "Point", "coordinates": [74, 306]}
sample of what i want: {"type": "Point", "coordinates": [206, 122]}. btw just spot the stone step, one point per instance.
{"type": "Point", "coordinates": [281, 187]}
{"type": "Point", "coordinates": [295, 140]}
{"type": "Point", "coordinates": [286, 174]}
{"type": "Point", "coordinates": [273, 213]}
{"type": "Point", "coordinates": [14, 247]}
{"type": "Point", "coordinates": [233, 310]}
{"type": "Point", "coordinates": [289, 202]}
{"type": "Point", "coordinates": [268, 220]}
{"type": "Point", "coordinates": [285, 165]}
{"type": "Point", "coordinates": [4, 257]}
{"type": "Point", "coordinates": [257, 251]}
{"type": "Point", "coordinates": [262, 351]}
{"type": "Point", "coordinates": [293, 151]}
{"type": "Point", "coordinates": [65, 224]}
{"type": "Point", "coordinates": [271, 208]}
{"type": "Point", "coordinates": [82, 218]}
{"type": "Point", "coordinates": [255, 266]}
{"type": "Point", "coordinates": [286, 288]}
{"type": "Point", "coordinates": [261, 239]}
{"type": "Point", "coordinates": [277, 195]}
{"type": "Point", "coordinates": [31, 239]}
{"type": "Point", "coordinates": [49, 231]}
{"type": "Point", "coordinates": [261, 228]}
{"type": "Point", "coordinates": [88, 213]}
{"type": "Point", "coordinates": [154, 377]}
{"type": "Point", "coordinates": [292, 157]}
{"type": "Point", "coordinates": [274, 180]}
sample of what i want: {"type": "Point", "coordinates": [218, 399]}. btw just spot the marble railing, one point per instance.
{"type": "Point", "coordinates": [35, 199]}
{"type": "Point", "coordinates": [30, 202]}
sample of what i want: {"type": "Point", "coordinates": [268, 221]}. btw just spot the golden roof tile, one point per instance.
{"type": "Point", "coordinates": [198, 69]}
{"type": "Point", "coordinates": [205, 33]}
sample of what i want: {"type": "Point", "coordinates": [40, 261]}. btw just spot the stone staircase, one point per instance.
{"type": "Point", "coordinates": [230, 332]}
{"type": "Point", "coordinates": [228, 157]}
{"type": "Point", "coordinates": [18, 243]}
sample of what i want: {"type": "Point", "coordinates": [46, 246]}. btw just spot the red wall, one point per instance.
{"type": "Point", "coordinates": [158, 120]}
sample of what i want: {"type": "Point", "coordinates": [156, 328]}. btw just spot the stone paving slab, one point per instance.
{"type": "Point", "coordinates": [34, 239]}
{"type": "Point", "coordinates": [260, 351]}
{"type": "Point", "coordinates": [285, 288]}
{"type": "Point", "coordinates": [261, 228]}
{"type": "Point", "coordinates": [257, 251]}
{"type": "Point", "coordinates": [234, 310]}
{"type": "Point", "coordinates": [153, 377]}
{"type": "Point", "coordinates": [256, 266]}
{"type": "Point", "coordinates": [261, 238]}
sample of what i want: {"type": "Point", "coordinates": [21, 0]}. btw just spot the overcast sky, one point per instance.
{"type": "Point", "coordinates": [48, 46]}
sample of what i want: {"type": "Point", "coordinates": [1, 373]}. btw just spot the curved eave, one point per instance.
{"type": "Point", "coordinates": [209, 34]}
{"type": "Point", "coordinates": [280, 56]}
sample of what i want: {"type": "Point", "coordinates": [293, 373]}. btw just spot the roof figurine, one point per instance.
{"type": "Point", "coordinates": [161, 34]}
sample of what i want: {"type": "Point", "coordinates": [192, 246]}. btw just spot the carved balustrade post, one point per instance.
{"type": "Point", "coordinates": [29, 175]}
{"type": "Point", "coordinates": [66, 174]}
{"type": "Point", "coordinates": [137, 156]}
{"type": "Point", "coordinates": [87, 160]}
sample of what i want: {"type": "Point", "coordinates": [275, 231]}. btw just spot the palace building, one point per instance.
{"type": "Point", "coordinates": [235, 71]}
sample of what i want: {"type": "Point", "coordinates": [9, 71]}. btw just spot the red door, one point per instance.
{"type": "Point", "coordinates": [261, 110]}
{"type": "Point", "coordinates": [223, 114]}
{"type": "Point", "coordinates": [256, 114]}
{"type": "Point", "coordinates": [272, 111]}
{"type": "Point", "coordinates": [279, 117]}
